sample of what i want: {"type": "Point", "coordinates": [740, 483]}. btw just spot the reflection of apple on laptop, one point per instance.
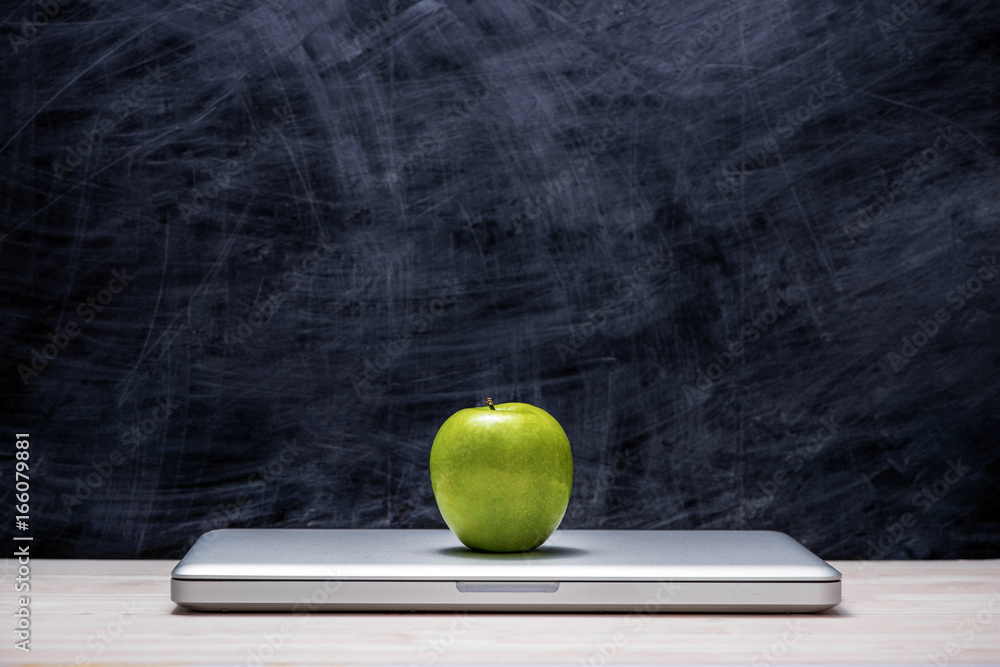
{"type": "Point", "coordinates": [430, 570]}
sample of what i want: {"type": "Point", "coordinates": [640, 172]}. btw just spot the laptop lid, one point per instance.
{"type": "Point", "coordinates": [575, 570]}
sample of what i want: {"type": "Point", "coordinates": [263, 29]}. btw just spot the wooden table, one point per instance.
{"type": "Point", "coordinates": [100, 612]}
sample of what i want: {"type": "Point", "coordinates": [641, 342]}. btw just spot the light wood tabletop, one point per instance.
{"type": "Point", "coordinates": [117, 612]}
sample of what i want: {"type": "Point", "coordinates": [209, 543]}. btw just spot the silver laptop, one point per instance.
{"type": "Point", "coordinates": [430, 570]}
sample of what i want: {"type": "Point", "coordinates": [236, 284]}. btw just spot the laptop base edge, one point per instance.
{"type": "Point", "coordinates": [448, 596]}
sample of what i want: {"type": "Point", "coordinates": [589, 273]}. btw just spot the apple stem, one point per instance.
{"type": "Point", "coordinates": [489, 402]}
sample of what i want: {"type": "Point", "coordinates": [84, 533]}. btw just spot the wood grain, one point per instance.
{"type": "Point", "coordinates": [96, 612]}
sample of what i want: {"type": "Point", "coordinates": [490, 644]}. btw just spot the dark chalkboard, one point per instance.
{"type": "Point", "coordinates": [256, 251]}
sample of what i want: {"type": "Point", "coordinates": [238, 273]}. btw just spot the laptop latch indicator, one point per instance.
{"type": "Point", "coordinates": [507, 586]}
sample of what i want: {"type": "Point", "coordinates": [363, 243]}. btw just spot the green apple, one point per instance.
{"type": "Point", "coordinates": [502, 475]}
